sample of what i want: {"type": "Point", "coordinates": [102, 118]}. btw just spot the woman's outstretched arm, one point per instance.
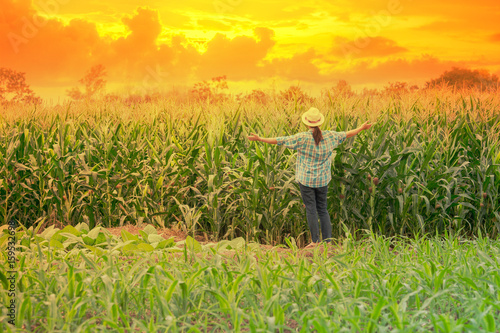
{"type": "Point", "coordinates": [255, 137]}
{"type": "Point", "coordinates": [354, 132]}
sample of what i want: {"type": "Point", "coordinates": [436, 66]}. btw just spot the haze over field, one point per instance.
{"type": "Point", "coordinates": [255, 44]}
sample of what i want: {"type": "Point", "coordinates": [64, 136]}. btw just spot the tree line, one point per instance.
{"type": "Point", "coordinates": [14, 89]}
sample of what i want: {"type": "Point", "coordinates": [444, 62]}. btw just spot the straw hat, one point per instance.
{"type": "Point", "coordinates": [313, 117]}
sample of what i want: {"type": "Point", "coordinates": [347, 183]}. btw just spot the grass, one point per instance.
{"type": "Point", "coordinates": [371, 283]}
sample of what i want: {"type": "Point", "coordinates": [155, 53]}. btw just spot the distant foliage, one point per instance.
{"type": "Point", "coordinates": [210, 91]}
{"type": "Point", "coordinates": [14, 89]}
{"type": "Point", "coordinates": [94, 83]}
{"type": "Point", "coordinates": [370, 92]}
{"type": "Point", "coordinates": [341, 89]}
{"type": "Point", "coordinates": [257, 96]}
{"type": "Point", "coordinates": [398, 88]}
{"type": "Point", "coordinates": [296, 95]}
{"type": "Point", "coordinates": [463, 78]}
{"type": "Point", "coordinates": [137, 99]}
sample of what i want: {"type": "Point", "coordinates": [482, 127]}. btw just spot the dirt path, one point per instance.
{"type": "Point", "coordinates": [166, 233]}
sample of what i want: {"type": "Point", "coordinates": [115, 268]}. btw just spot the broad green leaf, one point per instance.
{"type": "Point", "coordinates": [3, 240]}
{"type": "Point", "coordinates": [143, 235]}
{"type": "Point", "coordinates": [71, 230]}
{"type": "Point", "coordinates": [126, 236]}
{"type": "Point", "coordinates": [165, 244]}
{"type": "Point", "coordinates": [237, 243]}
{"type": "Point", "coordinates": [58, 236]}
{"type": "Point", "coordinates": [55, 244]}
{"type": "Point", "coordinates": [129, 248]}
{"type": "Point", "coordinates": [96, 250]}
{"type": "Point", "coordinates": [94, 233]}
{"type": "Point", "coordinates": [192, 244]}
{"type": "Point", "coordinates": [82, 227]}
{"type": "Point", "coordinates": [26, 241]}
{"type": "Point", "coordinates": [155, 238]}
{"type": "Point", "coordinates": [222, 244]}
{"type": "Point", "coordinates": [88, 241]}
{"type": "Point", "coordinates": [149, 229]}
{"type": "Point", "coordinates": [101, 238]}
{"type": "Point", "coordinates": [72, 242]}
{"type": "Point", "coordinates": [145, 247]}
{"type": "Point", "coordinates": [49, 232]}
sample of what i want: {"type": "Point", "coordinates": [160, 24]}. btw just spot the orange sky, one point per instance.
{"type": "Point", "coordinates": [256, 44]}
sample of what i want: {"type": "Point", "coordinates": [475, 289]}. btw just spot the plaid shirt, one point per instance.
{"type": "Point", "coordinates": [314, 163]}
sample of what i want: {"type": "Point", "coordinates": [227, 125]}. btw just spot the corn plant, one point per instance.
{"type": "Point", "coordinates": [430, 165]}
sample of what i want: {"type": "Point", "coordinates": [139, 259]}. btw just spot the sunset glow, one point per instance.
{"type": "Point", "coordinates": [256, 44]}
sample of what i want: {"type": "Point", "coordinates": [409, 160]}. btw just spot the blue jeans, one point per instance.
{"type": "Point", "coordinates": [316, 206]}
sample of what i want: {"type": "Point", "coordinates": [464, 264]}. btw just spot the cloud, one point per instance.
{"type": "Point", "coordinates": [53, 53]}
{"type": "Point", "coordinates": [214, 25]}
{"type": "Point", "coordinates": [421, 69]}
{"type": "Point", "coordinates": [446, 27]}
{"type": "Point", "coordinates": [45, 48]}
{"type": "Point", "coordinates": [238, 58]}
{"type": "Point", "coordinates": [176, 20]}
{"type": "Point", "coordinates": [495, 38]}
{"type": "Point", "coordinates": [366, 47]}
{"type": "Point", "coordinates": [299, 67]}
{"type": "Point", "coordinates": [139, 47]}
{"type": "Point", "coordinates": [145, 27]}
{"type": "Point", "coordinates": [291, 44]}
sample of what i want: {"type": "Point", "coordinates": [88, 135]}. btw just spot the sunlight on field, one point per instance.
{"type": "Point", "coordinates": [189, 164]}
{"type": "Point", "coordinates": [414, 204]}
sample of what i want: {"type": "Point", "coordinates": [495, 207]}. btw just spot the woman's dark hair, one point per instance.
{"type": "Point", "coordinates": [317, 135]}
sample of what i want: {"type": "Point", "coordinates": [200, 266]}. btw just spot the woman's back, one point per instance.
{"type": "Point", "coordinates": [313, 161]}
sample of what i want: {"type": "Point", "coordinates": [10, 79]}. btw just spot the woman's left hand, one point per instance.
{"type": "Point", "coordinates": [366, 125]}
{"type": "Point", "coordinates": [254, 137]}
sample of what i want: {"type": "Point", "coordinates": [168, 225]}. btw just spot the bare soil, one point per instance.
{"type": "Point", "coordinates": [166, 233]}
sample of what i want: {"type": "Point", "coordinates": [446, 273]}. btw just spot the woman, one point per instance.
{"type": "Point", "coordinates": [313, 169]}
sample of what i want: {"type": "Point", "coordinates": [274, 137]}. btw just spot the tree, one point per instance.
{"type": "Point", "coordinates": [257, 96]}
{"type": "Point", "coordinates": [463, 78]}
{"type": "Point", "coordinates": [210, 90]}
{"type": "Point", "coordinates": [93, 82]}
{"type": "Point", "coordinates": [398, 88]}
{"type": "Point", "coordinates": [14, 89]}
{"type": "Point", "coordinates": [342, 88]}
{"type": "Point", "coordinates": [370, 92]}
{"type": "Point", "coordinates": [295, 94]}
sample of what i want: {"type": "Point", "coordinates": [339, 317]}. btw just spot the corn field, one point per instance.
{"type": "Point", "coordinates": [430, 165]}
